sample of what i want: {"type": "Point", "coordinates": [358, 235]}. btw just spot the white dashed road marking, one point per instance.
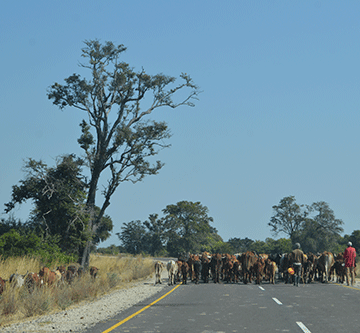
{"type": "Point", "coordinates": [277, 301]}
{"type": "Point", "coordinates": [303, 327]}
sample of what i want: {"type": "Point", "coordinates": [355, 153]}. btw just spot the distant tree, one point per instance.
{"type": "Point", "coordinates": [222, 247]}
{"type": "Point", "coordinates": [260, 247]}
{"type": "Point", "coordinates": [355, 239]}
{"type": "Point", "coordinates": [112, 249]}
{"type": "Point", "coordinates": [240, 245]}
{"type": "Point", "coordinates": [155, 234]}
{"type": "Point", "coordinates": [133, 237]}
{"type": "Point", "coordinates": [282, 245]}
{"type": "Point", "coordinates": [188, 227]}
{"type": "Point", "coordinates": [288, 217]}
{"type": "Point", "coordinates": [321, 231]}
{"type": "Point", "coordinates": [115, 137]}
{"type": "Point", "coordinates": [12, 223]}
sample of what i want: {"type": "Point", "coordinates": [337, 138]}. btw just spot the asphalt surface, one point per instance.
{"type": "Point", "coordinates": [206, 308]}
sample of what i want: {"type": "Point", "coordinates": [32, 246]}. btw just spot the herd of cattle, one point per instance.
{"type": "Point", "coordinates": [249, 266]}
{"type": "Point", "coordinates": [47, 277]}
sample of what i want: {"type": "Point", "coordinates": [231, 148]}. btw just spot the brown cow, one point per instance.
{"type": "Point", "coordinates": [71, 273]}
{"type": "Point", "coordinates": [32, 281]}
{"type": "Point", "coordinates": [270, 270]}
{"type": "Point", "coordinates": [2, 285]}
{"type": "Point", "coordinates": [184, 272]}
{"type": "Point", "coordinates": [197, 270]}
{"type": "Point", "coordinates": [236, 271]}
{"type": "Point", "coordinates": [339, 268]}
{"type": "Point", "coordinates": [258, 269]}
{"type": "Point", "coordinates": [216, 265]}
{"type": "Point", "coordinates": [94, 272]}
{"type": "Point", "coordinates": [62, 270]}
{"type": "Point", "coordinates": [284, 266]}
{"type": "Point", "coordinates": [205, 266]}
{"type": "Point", "coordinates": [44, 275]}
{"type": "Point", "coordinates": [49, 278]}
{"type": "Point", "coordinates": [178, 273]}
{"type": "Point", "coordinates": [228, 265]}
{"type": "Point", "coordinates": [248, 260]}
{"type": "Point", "coordinates": [69, 276]}
{"type": "Point", "coordinates": [309, 268]}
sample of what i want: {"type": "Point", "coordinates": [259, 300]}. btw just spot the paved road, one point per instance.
{"type": "Point", "coordinates": [206, 308]}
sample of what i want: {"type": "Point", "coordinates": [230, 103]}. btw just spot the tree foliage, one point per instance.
{"type": "Point", "coordinates": [15, 244]}
{"type": "Point", "coordinates": [185, 227]}
{"type": "Point", "coordinates": [132, 237]}
{"type": "Point", "coordinates": [116, 136]}
{"type": "Point", "coordinates": [191, 223]}
{"type": "Point", "coordinates": [354, 238]}
{"type": "Point", "coordinates": [58, 194]}
{"type": "Point", "coordinates": [321, 231]}
{"type": "Point", "coordinates": [240, 245]}
{"type": "Point", "coordinates": [288, 217]}
{"type": "Point", "coordinates": [314, 226]}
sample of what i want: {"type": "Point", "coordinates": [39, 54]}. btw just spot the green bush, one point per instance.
{"type": "Point", "coordinates": [13, 244]}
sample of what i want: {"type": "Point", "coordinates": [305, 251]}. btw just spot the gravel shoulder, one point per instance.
{"type": "Point", "coordinates": [87, 314]}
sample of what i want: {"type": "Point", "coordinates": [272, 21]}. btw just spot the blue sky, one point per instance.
{"type": "Point", "coordinates": [278, 115]}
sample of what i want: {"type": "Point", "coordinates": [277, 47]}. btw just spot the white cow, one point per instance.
{"type": "Point", "coordinates": [159, 266]}
{"type": "Point", "coordinates": [17, 280]}
{"type": "Point", "coordinates": [172, 268]}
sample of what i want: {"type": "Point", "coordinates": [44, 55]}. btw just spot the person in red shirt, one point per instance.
{"type": "Point", "coordinates": [349, 256]}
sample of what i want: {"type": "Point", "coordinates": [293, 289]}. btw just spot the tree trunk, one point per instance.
{"type": "Point", "coordinates": [84, 260]}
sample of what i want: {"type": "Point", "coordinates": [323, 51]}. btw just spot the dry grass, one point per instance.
{"type": "Point", "coordinates": [18, 265]}
{"type": "Point", "coordinates": [114, 272]}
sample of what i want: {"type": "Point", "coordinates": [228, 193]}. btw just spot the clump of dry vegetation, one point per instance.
{"type": "Point", "coordinates": [114, 273]}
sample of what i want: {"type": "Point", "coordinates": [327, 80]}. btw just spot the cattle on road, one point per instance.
{"type": "Point", "coordinates": [159, 266]}
{"type": "Point", "coordinates": [172, 269]}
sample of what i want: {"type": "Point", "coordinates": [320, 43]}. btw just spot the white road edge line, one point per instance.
{"type": "Point", "coordinates": [277, 301]}
{"type": "Point", "coordinates": [261, 288]}
{"type": "Point", "coordinates": [303, 327]}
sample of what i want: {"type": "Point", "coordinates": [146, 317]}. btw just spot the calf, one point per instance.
{"type": "Point", "coordinates": [270, 270]}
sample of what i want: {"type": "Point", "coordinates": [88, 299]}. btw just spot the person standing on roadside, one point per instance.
{"type": "Point", "coordinates": [298, 261]}
{"type": "Point", "coordinates": [349, 256]}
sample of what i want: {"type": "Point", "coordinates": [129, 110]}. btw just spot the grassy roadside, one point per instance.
{"type": "Point", "coordinates": [115, 272]}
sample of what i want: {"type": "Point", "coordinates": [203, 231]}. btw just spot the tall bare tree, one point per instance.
{"type": "Point", "coordinates": [115, 136]}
